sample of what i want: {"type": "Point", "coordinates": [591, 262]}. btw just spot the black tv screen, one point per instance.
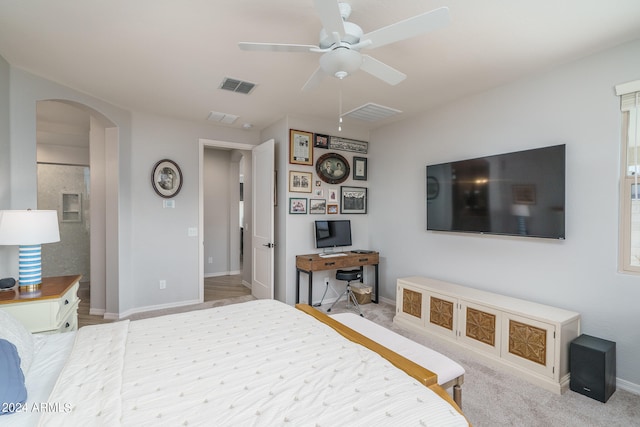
{"type": "Point", "coordinates": [520, 193]}
{"type": "Point", "coordinates": [332, 233]}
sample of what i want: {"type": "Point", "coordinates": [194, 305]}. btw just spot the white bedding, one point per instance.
{"type": "Point", "coordinates": [49, 358]}
{"type": "Point", "coordinates": [259, 363]}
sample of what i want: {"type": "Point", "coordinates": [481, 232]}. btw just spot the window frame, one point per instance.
{"type": "Point", "coordinates": [627, 182]}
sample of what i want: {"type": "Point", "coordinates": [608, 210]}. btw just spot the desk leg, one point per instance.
{"type": "Point", "coordinates": [297, 285]}
{"type": "Point", "coordinates": [375, 285]}
{"type": "Point", "coordinates": [310, 273]}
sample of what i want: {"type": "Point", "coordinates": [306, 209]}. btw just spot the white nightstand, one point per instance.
{"type": "Point", "coordinates": [50, 310]}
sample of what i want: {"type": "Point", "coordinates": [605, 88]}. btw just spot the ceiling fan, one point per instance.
{"type": "Point", "coordinates": [341, 42]}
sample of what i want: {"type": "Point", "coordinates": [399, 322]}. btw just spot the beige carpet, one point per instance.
{"type": "Point", "coordinates": [490, 396]}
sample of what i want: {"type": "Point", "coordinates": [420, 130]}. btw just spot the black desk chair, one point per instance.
{"type": "Point", "coordinates": [349, 276]}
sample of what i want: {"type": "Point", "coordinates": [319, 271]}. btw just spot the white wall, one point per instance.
{"type": "Point", "coordinates": [216, 210]}
{"type": "Point", "coordinates": [573, 105]}
{"type": "Point", "coordinates": [6, 255]}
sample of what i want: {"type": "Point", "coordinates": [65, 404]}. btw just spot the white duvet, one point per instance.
{"type": "Point", "coordinates": [261, 363]}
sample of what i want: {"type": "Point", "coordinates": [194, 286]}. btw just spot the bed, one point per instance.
{"type": "Point", "coordinates": [256, 363]}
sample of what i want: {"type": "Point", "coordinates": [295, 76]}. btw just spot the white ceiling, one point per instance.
{"type": "Point", "coordinates": [169, 57]}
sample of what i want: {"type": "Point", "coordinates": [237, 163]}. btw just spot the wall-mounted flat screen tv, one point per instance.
{"type": "Point", "coordinates": [520, 193]}
{"type": "Point", "coordinates": [332, 233]}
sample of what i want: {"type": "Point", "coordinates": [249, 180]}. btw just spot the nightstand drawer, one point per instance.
{"type": "Point", "coordinates": [68, 302]}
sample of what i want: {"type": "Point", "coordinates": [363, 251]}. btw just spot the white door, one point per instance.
{"type": "Point", "coordinates": [262, 243]}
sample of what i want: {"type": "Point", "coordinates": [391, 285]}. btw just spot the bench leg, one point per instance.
{"type": "Point", "coordinates": [457, 395]}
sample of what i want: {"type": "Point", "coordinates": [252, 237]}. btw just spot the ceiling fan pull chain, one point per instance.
{"type": "Point", "coordinates": [340, 106]}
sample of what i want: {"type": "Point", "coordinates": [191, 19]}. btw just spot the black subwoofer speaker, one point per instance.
{"type": "Point", "coordinates": [593, 367]}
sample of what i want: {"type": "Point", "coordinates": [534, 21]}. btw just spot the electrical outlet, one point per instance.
{"type": "Point", "coordinates": [326, 281]}
{"type": "Point", "coordinates": [210, 260]}
{"type": "Point", "coordinates": [163, 284]}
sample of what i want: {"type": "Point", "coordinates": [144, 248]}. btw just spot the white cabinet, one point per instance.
{"type": "Point", "coordinates": [530, 339]}
{"type": "Point", "coordinates": [51, 309]}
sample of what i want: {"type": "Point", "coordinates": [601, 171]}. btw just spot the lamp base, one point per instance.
{"type": "Point", "coordinates": [29, 288]}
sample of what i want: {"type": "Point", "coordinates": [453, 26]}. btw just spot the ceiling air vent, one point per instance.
{"type": "Point", "coordinates": [238, 86]}
{"type": "Point", "coordinates": [371, 112]}
{"type": "Point", "coordinates": [215, 116]}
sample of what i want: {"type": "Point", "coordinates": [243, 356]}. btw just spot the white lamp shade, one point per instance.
{"type": "Point", "coordinates": [520, 210]}
{"type": "Point", "coordinates": [28, 227]}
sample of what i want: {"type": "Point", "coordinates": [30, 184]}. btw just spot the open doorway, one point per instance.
{"type": "Point", "coordinates": [223, 172]}
{"type": "Point", "coordinates": [77, 152]}
{"type": "Point", "coordinates": [62, 141]}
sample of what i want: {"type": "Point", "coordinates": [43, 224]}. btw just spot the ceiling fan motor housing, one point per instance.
{"type": "Point", "coordinates": [352, 35]}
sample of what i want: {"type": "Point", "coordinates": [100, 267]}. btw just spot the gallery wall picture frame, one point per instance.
{"type": "Point", "coordinates": [166, 178]}
{"type": "Point", "coordinates": [345, 144]}
{"type": "Point", "coordinates": [298, 205]}
{"type": "Point", "coordinates": [321, 141]}
{"type": "Point", "coordinates": [317, 206]}
{"type": "Point", "coordinates": [300, 182]}
{"type": "Point", "coordinates": [332, 195]}
{"type": "Point", "coordinates": [300, 147]}
{"type": "Point", "coordinates": [332, 168]}
{"type": "Point", "coordinates": [332, 209]}
{"type": "Point", "coordinates": [353, 200]}
{"type": "Point", "coordinates": [359, 168]}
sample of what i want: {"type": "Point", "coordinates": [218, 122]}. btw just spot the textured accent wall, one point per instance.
{"type": "Point", "coordinates": [71, 254]}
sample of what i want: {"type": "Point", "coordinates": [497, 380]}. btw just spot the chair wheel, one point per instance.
{"type": "Point", "coordinates": [329, 310]}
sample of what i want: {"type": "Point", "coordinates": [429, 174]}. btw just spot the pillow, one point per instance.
{"type": "Point", "coordinates": [13, 331]}
{"type": "Point", "coordinates": [13, 392]}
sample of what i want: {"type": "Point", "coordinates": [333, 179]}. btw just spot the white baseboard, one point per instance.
{"type": "Point", "coordinates": [246, 284]}
{"type": "Point", "coordinates": [152, 308]}
{"type": "Point", "coordinates": [628, 386]}
{"type": "Point", "coordinates": [223, 273]}
{"type": "Point", "coordinates": [97, 311]}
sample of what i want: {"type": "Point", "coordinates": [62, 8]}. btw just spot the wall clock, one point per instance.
{"type": "Point", "coordinates": [332, 168]}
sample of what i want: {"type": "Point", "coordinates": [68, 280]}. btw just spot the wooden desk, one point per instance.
{"type": "Point", "coordinates": [314, 262]}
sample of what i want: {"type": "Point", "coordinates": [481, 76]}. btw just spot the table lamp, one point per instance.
{"type": "Point", "coordinates": [521, 212]}
{"type": "Point", "coordinates": [29, 229]}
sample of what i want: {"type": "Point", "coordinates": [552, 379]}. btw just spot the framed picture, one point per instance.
{"type": "Point", "coordinates": [332, 195]}
{"type": "Point", "coordinates": [318, 192]}
{"type": "Point", "coordinates": [332, 209]}
{"type": "Point", "coordinates": [321, 141]}
{"type": "Point", "coordinates": [360, 168]}
{"type": "Point", "coordinates": [332, 168]}
{"type": "Point", "coordinates": [300, 182]}
{"type": "Point", "coordinates": [344, 144]}
{"type": "Point", "coordinates": [297, 205]}
{"type": "Point", "coordinates": [300, 147]}
{"type": "Point", "coordinates": [524, 194]}
{"type": "Point", "coordinates": [353, 200]}
{"type": "Point", "coordinates": [166, 178]}
{"type": "Point", "coordinates": [317, 206]}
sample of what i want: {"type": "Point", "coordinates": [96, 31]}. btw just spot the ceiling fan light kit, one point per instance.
{"type": "Point", "coordinates": [341, 41]}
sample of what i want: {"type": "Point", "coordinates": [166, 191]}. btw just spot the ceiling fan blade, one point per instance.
{"type": "Point", "coordinates": [276, 47]}
{"type": "Point", "coordinates": [381, 70]}
{"type": "Point", "coordinates": [315, 80]}
{"type": "Point", "coordinates": [408, 28]}
{"type": "Point", "coordinates": [329, 13]}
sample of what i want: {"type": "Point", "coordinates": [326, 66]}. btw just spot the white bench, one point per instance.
{"type": "Point", "coordinates": [450, 373]}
